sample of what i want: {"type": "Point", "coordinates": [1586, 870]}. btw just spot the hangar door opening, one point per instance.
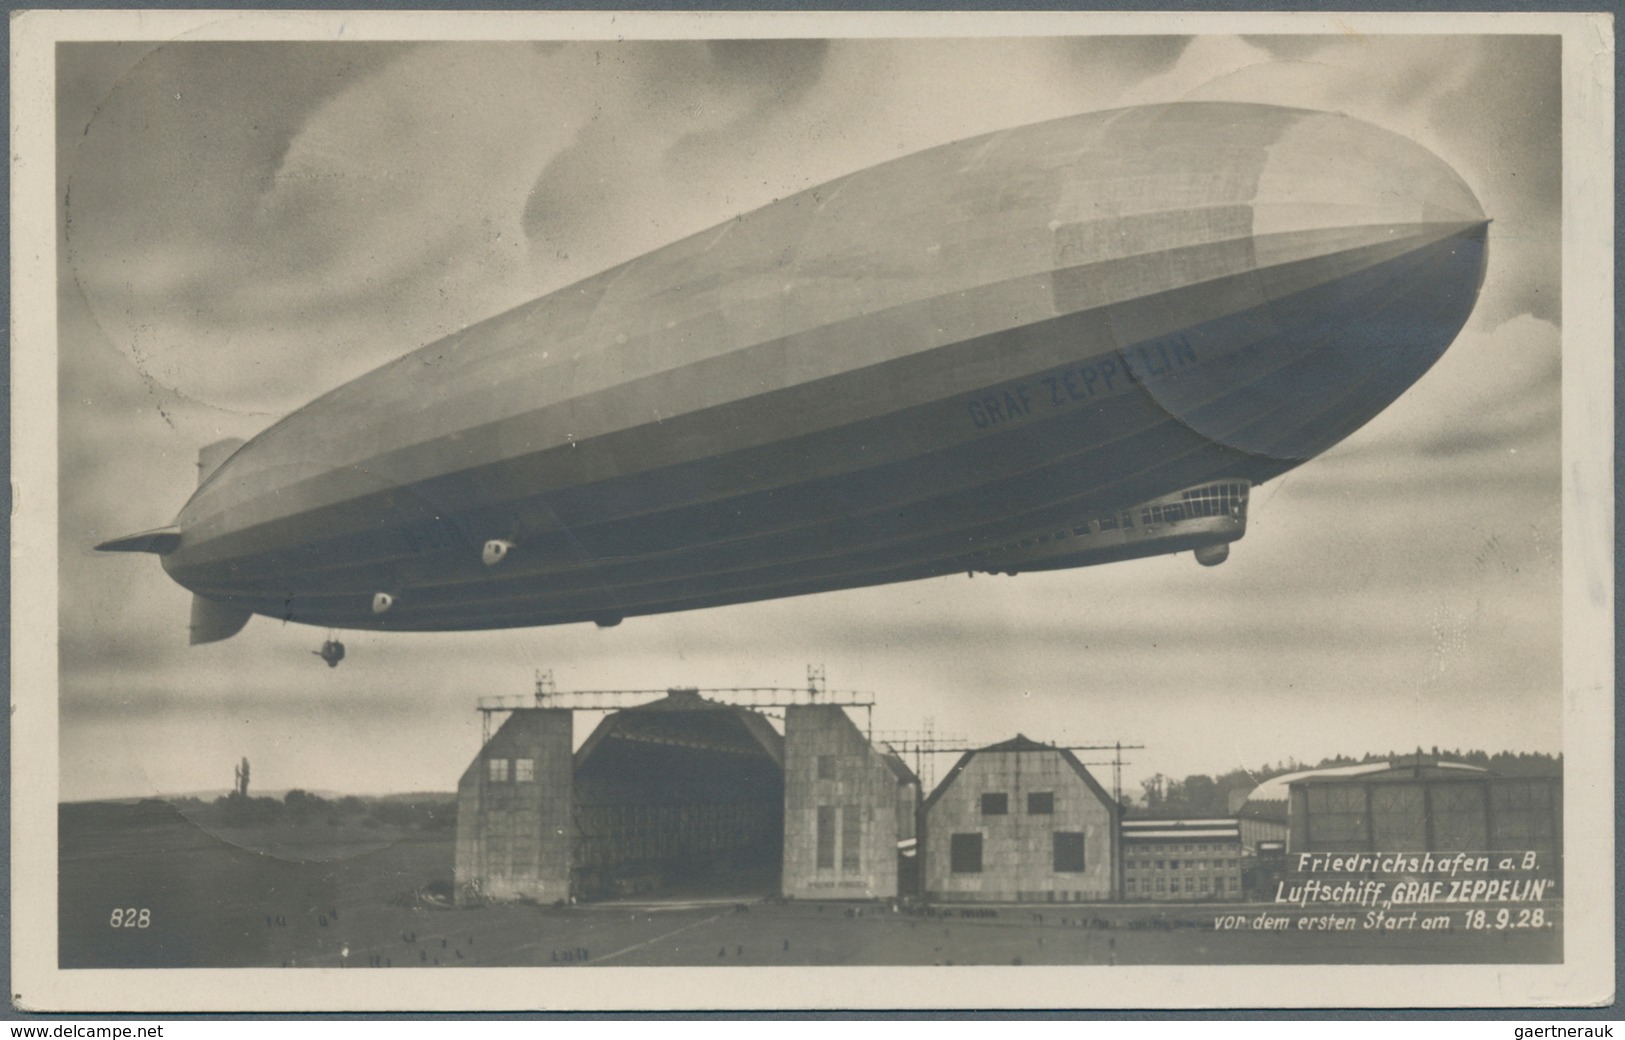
{"type": "Point", "coordinates": [683, 797]}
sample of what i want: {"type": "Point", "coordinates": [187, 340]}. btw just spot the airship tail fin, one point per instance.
{"type": "Point", "coordinates": [162, 541]}
{"type": "Point", "coordinates": [212, 622]}
{"type": "Point", "coordinates": [211, 456]}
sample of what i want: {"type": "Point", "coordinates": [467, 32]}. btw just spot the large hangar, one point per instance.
{"type": "Point", "coordinates": [683, 793]}
{"type": "Point", "coordinates": [682, 796]}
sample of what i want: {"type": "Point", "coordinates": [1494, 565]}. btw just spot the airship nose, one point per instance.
{"type": "Point", "coordinates": [1369, 251]}
{"type": "Point", "coordinates": [1329, 171]}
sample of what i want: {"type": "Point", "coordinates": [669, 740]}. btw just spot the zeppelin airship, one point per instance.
{"type": "Point", "coordinates": [1075, 342]}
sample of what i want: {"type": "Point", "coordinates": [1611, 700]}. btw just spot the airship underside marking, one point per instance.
{"type": "Point", "coordinates": [720, 587]}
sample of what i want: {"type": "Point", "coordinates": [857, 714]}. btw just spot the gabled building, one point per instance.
{"type": "Point", "coordinates": [1020, 822]}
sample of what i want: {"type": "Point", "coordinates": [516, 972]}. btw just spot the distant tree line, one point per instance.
{"type": "Point", "coordinates": [408, 812]}
{"type": "Point", "coordinates": [1200, 795]}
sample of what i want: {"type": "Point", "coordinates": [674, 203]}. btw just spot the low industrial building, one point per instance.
{"type": "Point", "coordinates": [1181, 860]}
{"type": "Point", "coordinates": [1020, 821]}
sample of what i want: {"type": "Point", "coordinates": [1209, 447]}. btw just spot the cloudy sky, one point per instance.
{"type": "Point", "coordinates": [246, 225]}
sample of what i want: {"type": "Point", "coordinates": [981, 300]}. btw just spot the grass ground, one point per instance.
{"type": "Point", "coordinates": [353, 901]}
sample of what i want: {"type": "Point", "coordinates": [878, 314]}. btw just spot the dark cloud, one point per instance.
{"type": "Point", "coordinates": [1510, 105]}
{"type": "Point", "coordinates": [780, 69]}
{"type": "Point", "coordinates": [1494, 440]}
{"type": "Point", "coordinates": [307, 201]}
{"type": "Point", "coordinates": [192, 124]}
{"type": "Point", "coordinates": [86, 73]}
{"type": "Point", "coordinates": [1292, 47]}
{"type": "Point", "coordinates": [1119, 58]}
{"type": "Point", "coordinates": [164, 183]}
{"type": "Point", "coordinates": [664, 114]}
{"type": "Point", "coordinates": [575, 191]}
{"type": "Point", "coordinates": [768, 78]}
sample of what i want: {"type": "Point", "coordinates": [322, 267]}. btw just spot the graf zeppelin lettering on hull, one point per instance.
{"type": "Point", "coordinates": [1062, 344]}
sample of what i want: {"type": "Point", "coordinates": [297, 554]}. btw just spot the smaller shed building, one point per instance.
{"type": "Point", "coordinates": [1263, 822]}
{"type": "Point", "coordinates": [1020, 822]}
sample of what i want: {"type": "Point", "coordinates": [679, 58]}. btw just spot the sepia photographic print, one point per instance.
{"type": "Point", "coordinates": [724, 511]}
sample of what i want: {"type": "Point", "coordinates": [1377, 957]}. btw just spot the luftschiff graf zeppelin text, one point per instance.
{"type": "Point", "coordinates": [1401, 891]}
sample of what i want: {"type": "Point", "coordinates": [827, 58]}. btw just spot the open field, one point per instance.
{"type": "Point", "coordinates": [212, 903]}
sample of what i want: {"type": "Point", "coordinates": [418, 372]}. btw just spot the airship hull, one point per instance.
{"type": "Point", "coordinates": [872, 381]}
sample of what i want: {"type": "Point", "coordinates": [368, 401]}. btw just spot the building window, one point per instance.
{"type": "Point", "coordinates": [499, 770]}
{"type": "Point", "coordinates": [851, 838]}
{"type": "Point", "coordinates": [1173, 864]}
{"type": "Point", "coordinates": [1161, 884]}
{"type": "Point", "coordinates": [995, 804]}
{"type": "Point", "coordinates": [965, 853]}
{"type": "Point", "coordinates": [1159, 864]}
{"type": "Point", "coordinates": [1068, 852]}
{"type": "Point", "coordinates": [826, 767]}
{"type": "Point", "coordinates": [1041, 803]}
{"type": "Point", "coordinates": [524, 770]}
{"type": "Point", "coordinates": [1207, 885]}
{"type": "Point", "coordinates": [1128, 886]}
{"type": "Point", "coordinates": [826, 837]}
